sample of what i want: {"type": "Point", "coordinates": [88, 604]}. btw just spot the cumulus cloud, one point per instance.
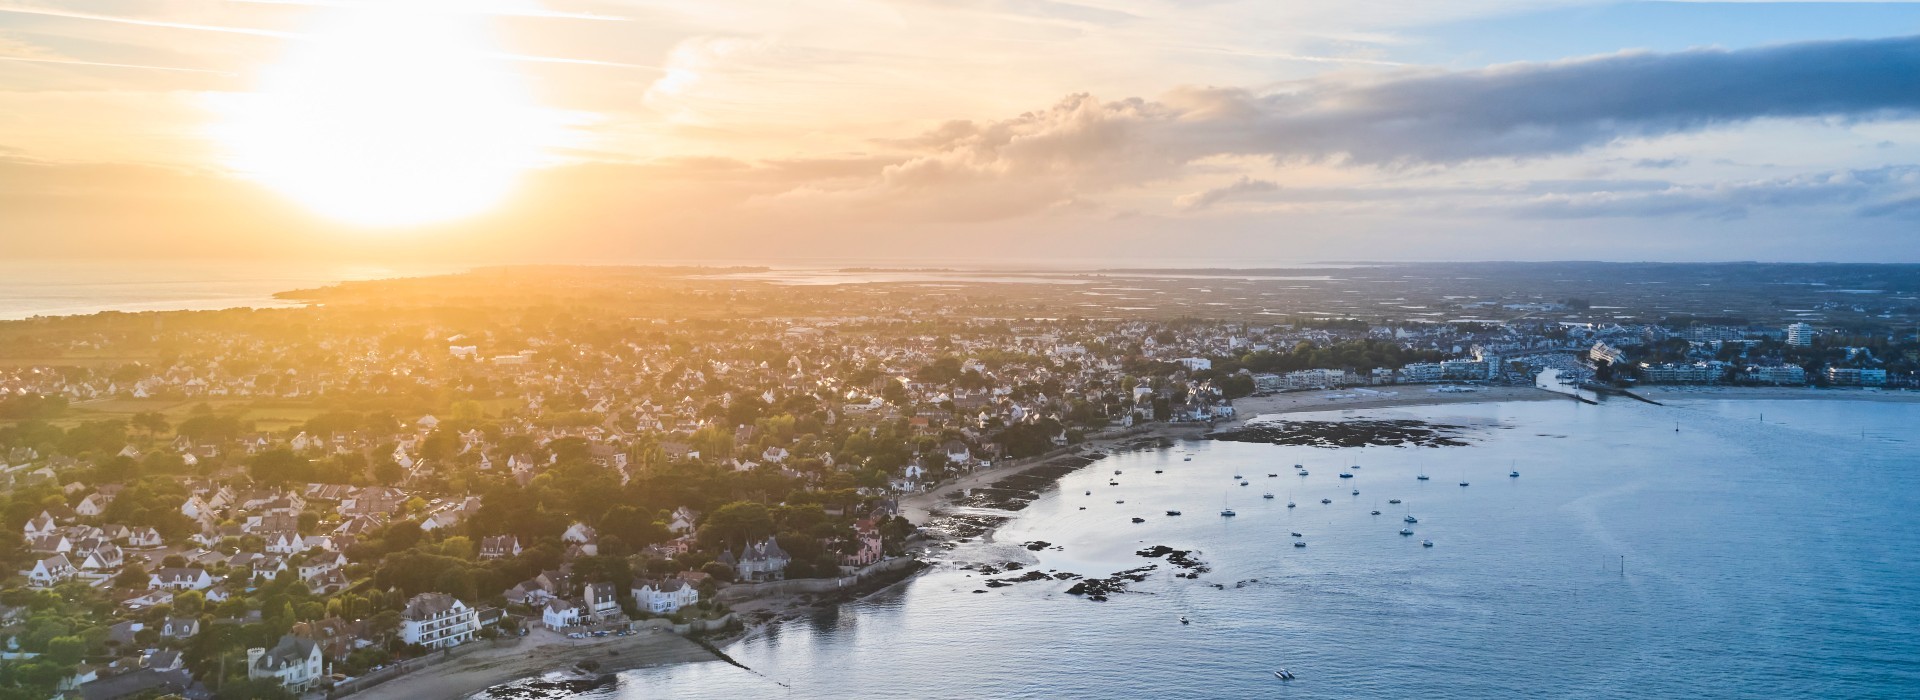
{"type": "Point", "coordinates": [1082, 145]}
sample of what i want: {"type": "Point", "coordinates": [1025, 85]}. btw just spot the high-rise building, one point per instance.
{"type": "Point", "coordinates": [1800, 335]}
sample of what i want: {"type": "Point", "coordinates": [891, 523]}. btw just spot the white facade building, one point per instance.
{"type": "Point", "coordinates": [438, 621]}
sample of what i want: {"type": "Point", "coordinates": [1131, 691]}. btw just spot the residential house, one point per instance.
{"type": "Point", "coordinates": [294, 662]}
{"type": "Point", "coordinates": [665, 597]}
{"type": "Point", "coordinates": [50, 571]}
{"type": "Point", "coordinates": [499, 547]}
{"type": "Point", "coordinates": [560, 614]}
{"type": "Point", "coordinates": [181, 579]}
{"type": "Point", "coordinates": [600, 602]}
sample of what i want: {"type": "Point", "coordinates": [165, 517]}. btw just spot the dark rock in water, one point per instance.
{"type": "Point", "coordinates": [1352, 433]}
{"type": "Point", "coordinates": [1029, 576]}
{"type": "Point", "coordinates": [979, 590]}
{"type": "Point", "coordinates": [1098, 589]}
{"type": "Point", "coordinates": [1178, 557]}
{"type": "Point", "coordinates": [1038, 545]}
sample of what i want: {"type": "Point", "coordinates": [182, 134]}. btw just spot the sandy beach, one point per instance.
{"type": "Point", "coordinates": [542, 651]}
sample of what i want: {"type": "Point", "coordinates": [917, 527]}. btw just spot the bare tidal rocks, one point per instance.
{"type": "Point", "coordinates": [1099, 589]}
{"type": "Point", "coordinates": [1350, 433]}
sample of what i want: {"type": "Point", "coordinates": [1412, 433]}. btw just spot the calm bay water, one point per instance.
{"type": "Point", "coordinates": [1774, 559]}
{"type": "Point", "coordinates": [57, 288]}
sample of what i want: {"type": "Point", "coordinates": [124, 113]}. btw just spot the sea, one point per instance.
{"type": "Point", "coordinates": [1701, 549]}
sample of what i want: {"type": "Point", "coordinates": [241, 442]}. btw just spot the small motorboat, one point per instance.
{"type": "Point", "coordinates": [1226, 513]}
{"type": "Point", "coordinates": [1119, 501]}
{"type": "Point", "coordinates": [1186, 459]}
{"type": "Point", "coordinates": [1183, 620]}
{"type": "Point", "coordinates": [1299, 543]}
{"type": "Point", "coordinates": [1411, 519]}
{"type": "Point", "coordinates": [1296, 534]}
{"type": "Point", "coordinates": [1406, 531]}
{"type": "Point", "coordinates": [1083, 507]}
{"type": "Point", "coordinates": [1326, 500]}
{"type": "Point", "coordinates": [1173, 512]}
{"type": "Point", "coordinates": [1089, 493]}
{"type": "Point", "coordinates": [1116, 471]}
{"type": "Point", "coordinates": [1283, 674]}
{"type": "Point", "coordinates": [1303, 472]}
{"type": "Point", "coordinates": [1139, 520]}
{"type": "Point", "coordinates": [1268, 495]}
{"type": "Point", "coordinates": [1514, 474]}
{"type": "Point", "coordinates": [1376, 512]}
{"type": "Point", "coordinates": [1463, 483]}
{"type": "Point", "coordinates": [1270, 475]}
{"type": "Point", "coordinates": [1158, 471]}
{"type": "Point", "coordinates": [1426, 543]}
{"type": "Point", "coordinates": [1346, 475]}
{"type": "Point", "coordinates": [1243, 483]}
{"type": "Point", "coordinates": [1394, 501]}
{"type": "Point", "coordinates": [1289, 504]}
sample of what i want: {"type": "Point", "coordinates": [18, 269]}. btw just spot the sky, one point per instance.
{"type": "Point", "coordinates": [486, 131]}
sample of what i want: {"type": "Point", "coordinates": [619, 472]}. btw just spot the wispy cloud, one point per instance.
{"type": "Point", "coordinates": [100, 64]}
{"type": "Point", "coordinates": [289, 36]}
{"type": "Point", "coordinates": [482, 8]}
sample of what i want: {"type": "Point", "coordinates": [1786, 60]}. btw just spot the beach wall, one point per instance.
{"type": "Point", "coordinates": [749, 591]}
{"type": "Point", "coordinates": [354, 685]}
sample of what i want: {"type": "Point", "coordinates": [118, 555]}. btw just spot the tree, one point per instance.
{"type": "Point", "coordinates": [153, 422]}
{"type": "Point", "coordinates": [132, 576]}
{"type": "Point", "coordinates": [736, 522]}
{"type": "Point", "coordinates": [66, 651]}
{"type": "Point", "coordinates": [280, 466]}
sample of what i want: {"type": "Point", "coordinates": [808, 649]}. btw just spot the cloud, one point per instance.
{"type": "Point", "coordinates": [1083, 146]}
{"type": "Point", "coordinates": [1207, 198]}
{"type": "Point", "coordinates": [1731, 200]}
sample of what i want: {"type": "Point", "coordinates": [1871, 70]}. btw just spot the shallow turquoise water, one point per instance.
{"type": "Point", "coordinates": [1775, 559]}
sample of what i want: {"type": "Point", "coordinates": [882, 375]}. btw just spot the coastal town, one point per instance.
{"type": "Point", "coordinates": [315, 501]}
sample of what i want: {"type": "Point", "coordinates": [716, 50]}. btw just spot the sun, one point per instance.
{"type": "Point", "coordinates": [389, 115]}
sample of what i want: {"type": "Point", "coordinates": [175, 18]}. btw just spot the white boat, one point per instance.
{"type": "Point", "coordinates": [1303, 472]}
{"type": "Point", "coordinates": [1186, 459]}
{"type": "Point", "coordinates": [1295, 534]}
{"type": "Point", "coordinates": [1267, 495]}
{"type": "Point", "coordinates": [1515, 474]}
{"type": "Point", "coordinates": [1356, 492]}
{"type": "Point", "coordinates": [1410, 519]}
{"type": "Point", "coordinates": [1299, 543]}
{"type": "Point", "coordinates": [1406, 531]}
{"type": "Point", "coordinates": [1183, 620]}
{"type": "Point", "coordinates": [1426, 543]}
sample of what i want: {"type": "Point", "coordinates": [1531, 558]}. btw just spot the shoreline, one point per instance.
{"type": "Point", "coordinates": [486, 669]}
